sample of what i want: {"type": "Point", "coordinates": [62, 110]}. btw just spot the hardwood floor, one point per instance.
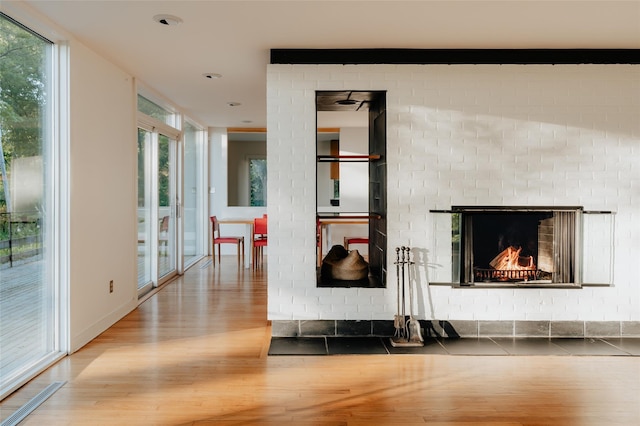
{"type": "Point", "coordinates": [196, 354]}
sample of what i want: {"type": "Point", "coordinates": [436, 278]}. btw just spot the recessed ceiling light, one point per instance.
{"type": "Point", "coordinates": [212, 75]}
{"type": "Point", "coordinates": [167, 19]}
{"type": "Point", "coordinates": [234, 104]}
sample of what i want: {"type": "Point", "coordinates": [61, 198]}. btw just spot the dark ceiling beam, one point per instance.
{"type": "Point", "coordinates": [455, 56]}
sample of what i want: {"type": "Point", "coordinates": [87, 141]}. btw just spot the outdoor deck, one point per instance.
{"type": "Point", "coordinates": [22, 311]}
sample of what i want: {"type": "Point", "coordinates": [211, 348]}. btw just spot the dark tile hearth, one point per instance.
{"type": "Point", "coordinates": [356, 346]}
{"type": "Point", "coordinates": [298, 346]}
{"type": "Point", "coordinates": [502, 346]}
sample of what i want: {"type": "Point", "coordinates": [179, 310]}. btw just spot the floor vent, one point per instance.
{"type": "Point", "coordinates": [30, 406]}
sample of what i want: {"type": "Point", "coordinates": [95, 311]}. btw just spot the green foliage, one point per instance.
{"type": "Point", "coordinates": [141, 169]}
{"type": "Point", "coordinates": [455, 228]}
{"type": "Point", "coordinates": [164, 169]}
{"type": "Point", "coordinates": [22, 90]}
{"type": "Point", "coordinates": [153, 110]}
{"type": "Point", "coordinates": [22, 93]}
{"type": "Point", "coordinates": [258, 182]}
{"type": "Point", "coordinates": [15, 227]}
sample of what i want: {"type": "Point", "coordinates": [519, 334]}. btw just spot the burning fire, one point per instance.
{"type": "Point", "coordinates": [510, 260]}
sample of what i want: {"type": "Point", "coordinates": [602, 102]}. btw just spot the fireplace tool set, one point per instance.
{"type": "Point", "coordinates": [407, 332]}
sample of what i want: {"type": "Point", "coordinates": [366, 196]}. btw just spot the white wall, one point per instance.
{"type": "Point", "coordinates": [239, 152]}
{"type": "Point", "coordinates": [218, 205]}
{"type": "Point", "coordinates": [102, 195]}
{"type": "Point", "coordinates": [536, 135]}
{"type": "Point", "coordinates": [354, 177]}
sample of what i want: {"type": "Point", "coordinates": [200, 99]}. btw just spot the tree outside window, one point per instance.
{"type": "Point", "coordinates": [258, 181]}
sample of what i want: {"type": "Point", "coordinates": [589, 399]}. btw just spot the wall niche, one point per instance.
{"type": "Point", "coordinates": [351, 188]}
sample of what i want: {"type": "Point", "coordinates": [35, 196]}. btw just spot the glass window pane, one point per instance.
{"type": "Point", "coordinates": [258, 181]}
{"type": "Point", "coordinates": [192, 199]}
{"type": "Point", "coordinates": [27, 290]}
{"type": "Point", "coordinates": [144, 209]}
{"type": "Point", "coordinates": [166, 196]}
{"type": "Point", "coordinates": [156, 111]}
{"type": "Point", "coordinates": [443, 260]}
{"type": "Point", "coordinates": [597, 252]}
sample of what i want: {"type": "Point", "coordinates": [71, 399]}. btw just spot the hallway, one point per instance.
{"type": "Point", "coordinates": [196, 353]}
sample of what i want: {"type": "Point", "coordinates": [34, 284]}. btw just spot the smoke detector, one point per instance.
{"type": "Point", "coordinates": [167, 20]}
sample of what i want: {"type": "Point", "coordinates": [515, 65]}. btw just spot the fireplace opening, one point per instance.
{"type": "Point", "coordinates": [517, 245]}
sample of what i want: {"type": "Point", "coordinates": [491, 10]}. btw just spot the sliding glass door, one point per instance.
{"type": "Point", "coordinates": [167, 206]}
{"type": "Point", "coordinates": [31, 325]}
{"type": "Point", "coordinates": [158, 207]}
{"type": "Point", "coordinates": [145, 258]}
{"type": "Point", "coordinates": [171, 168]}
{"type": "Point", "coordinates": [194, 220]}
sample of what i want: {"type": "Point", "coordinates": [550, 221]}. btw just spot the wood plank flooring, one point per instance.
{"type": "Point", "coordinates": [196, 354]}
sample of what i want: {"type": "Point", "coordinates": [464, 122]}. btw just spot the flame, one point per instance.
{"type": "Point", "coordinates": [510, 260]}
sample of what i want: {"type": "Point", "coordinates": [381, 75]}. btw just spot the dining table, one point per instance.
{"type": "Point", "coordinates": [326, 220]}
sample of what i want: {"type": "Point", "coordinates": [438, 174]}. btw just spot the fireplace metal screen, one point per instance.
{"type": "Point", "coordinates": [572, 248]}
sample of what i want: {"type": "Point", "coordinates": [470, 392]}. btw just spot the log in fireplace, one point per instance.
{"type": "Point", "coordinates": [536, 245]}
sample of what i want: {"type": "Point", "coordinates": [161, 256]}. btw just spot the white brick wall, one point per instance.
{"type": "Point", "coordinates": [462, 135]}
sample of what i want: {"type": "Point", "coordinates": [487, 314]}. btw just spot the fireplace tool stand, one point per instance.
{"type": "Point", "coordinates": [407, 332]}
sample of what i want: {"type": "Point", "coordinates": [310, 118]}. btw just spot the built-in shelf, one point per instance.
{"type": "Point", "coordinates": [360, 166]}
{"type": "Point", "coordinates": [348, 216]}
{"type": "Point", "coordinates": [347, 158]}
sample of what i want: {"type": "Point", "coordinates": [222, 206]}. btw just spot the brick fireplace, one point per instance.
{"type": "Point", "coordinates": [468, 135]}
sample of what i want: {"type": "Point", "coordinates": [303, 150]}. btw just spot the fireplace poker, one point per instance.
{"type": "Point", "coordinates": [405, 333]}
{"type": "Point", "coordinates": [397, 324]}
{"type": "Point", "coordinates": [415, 336]}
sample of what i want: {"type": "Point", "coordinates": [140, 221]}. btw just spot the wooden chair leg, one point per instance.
{"type": "Point", "coordinates": [255, 257]}
{"type": "Point", "coordinates": [214, 256]}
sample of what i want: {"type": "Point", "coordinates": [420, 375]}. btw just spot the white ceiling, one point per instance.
{"type": "Point", "coordinates": [233, 38]}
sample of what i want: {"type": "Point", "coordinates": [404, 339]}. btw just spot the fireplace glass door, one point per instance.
{"type": "Point", "coordinates": [518, 246]}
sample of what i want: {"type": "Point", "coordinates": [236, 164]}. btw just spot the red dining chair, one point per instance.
{"type": "Point", "coordinates": [218, 240]}
{"type": "Point", "coordinates": [354, 240]}
{"type": "Point", "coordinates": [259, 239]}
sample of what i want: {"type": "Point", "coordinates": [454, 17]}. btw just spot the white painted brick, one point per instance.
{"type": "Point", "coordinates": [350, 310]}
{"type": "Point", "coordinates": [564, 135]}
